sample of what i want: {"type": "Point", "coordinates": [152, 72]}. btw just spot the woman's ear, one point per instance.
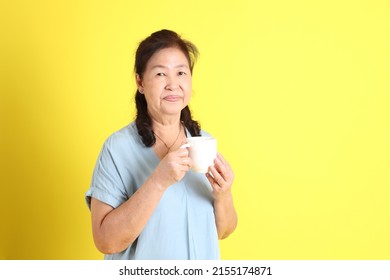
{"type": "Point", "coordinates": [138, 81]}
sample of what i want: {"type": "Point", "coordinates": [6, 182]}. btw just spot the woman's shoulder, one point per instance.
{"type": "Point", "coordinates": [124, 137]}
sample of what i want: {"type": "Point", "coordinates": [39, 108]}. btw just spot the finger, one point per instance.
{"type": "Point", "coordinates": [187, 161]}
{"type": "Point", "coordinates": [226, 170]}
{"type": "Point", "coordinates": [180, 168]}
{"type": "Point", "coordinates": [222, 159]}
{"type": "Point", "coordinates": [210, 178]}
{"type": "Point", "coordinates": [183, 146]}
{"type": "Point", "coordinates": [182, 152]}
{"type": "Point", "coordinates": [182, 143]}
{"type": "Point", "coordinates": [183, 169]}
{"type": "Point", "coordinates": [217, 176]}
{"type": "Point", "coordinates": [222, 168]}
{"type": "Point", "coordinates": [213, 183]}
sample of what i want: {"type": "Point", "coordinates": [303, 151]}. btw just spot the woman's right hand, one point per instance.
{"type": "Point", "coordinates": [172, 168]}
{"type": "Point", "coordinates": [113, 230]}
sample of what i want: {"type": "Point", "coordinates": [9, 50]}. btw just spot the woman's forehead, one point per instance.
{"type": "Point", "coordinates": [168, 58]}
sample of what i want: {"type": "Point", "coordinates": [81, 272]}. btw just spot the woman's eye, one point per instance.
{"type": "Point", "coordinates": [181, 73]}
{"type": "Point", "coordinates": [160, 74]}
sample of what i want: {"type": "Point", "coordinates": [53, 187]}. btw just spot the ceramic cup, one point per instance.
{"type": "Point", "coordinates": [202, 151]}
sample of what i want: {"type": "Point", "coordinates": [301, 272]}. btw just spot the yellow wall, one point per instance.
{"type": "Point", "coordinates": [297, 92]}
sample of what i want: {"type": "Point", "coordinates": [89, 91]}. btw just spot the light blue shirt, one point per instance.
{"type": "Point", "coordinates": [183, 224]}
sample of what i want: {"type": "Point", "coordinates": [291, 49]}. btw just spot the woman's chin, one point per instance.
{"type": "Point", "coordinates": [173, 108]}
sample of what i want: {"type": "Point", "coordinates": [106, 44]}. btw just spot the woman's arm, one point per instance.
{"type": "Point", "coordinates": [115, 229]}
{"type": "Point", "coordinates": [221, 182]}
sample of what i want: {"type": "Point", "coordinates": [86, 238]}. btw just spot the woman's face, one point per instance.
{"type": "Point", "coordinates": [166, 83]}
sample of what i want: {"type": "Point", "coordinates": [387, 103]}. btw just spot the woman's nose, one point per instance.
{"type": "Point", "coordinates": [172, 83]}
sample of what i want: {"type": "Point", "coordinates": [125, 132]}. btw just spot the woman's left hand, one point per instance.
{"type": "Point", "coordinates": [221, 180]}
{"type": "Point", "coordinates": [222, 177]}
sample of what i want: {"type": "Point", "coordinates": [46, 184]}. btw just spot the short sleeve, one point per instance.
{"type": "Point", "coordinates": [107, 184]}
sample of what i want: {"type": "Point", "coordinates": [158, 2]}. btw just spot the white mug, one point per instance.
{"type": "Point", "coordinates": [203, 151]}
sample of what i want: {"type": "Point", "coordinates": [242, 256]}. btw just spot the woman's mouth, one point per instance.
{"type": "Point", "coordinates": [172, 98]}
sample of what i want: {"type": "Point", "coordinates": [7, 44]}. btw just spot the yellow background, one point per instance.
{"type": "Point", "coordinates": [297, 93]}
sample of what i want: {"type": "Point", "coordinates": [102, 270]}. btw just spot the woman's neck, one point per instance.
{"type": "Point", "coordinates": [167, 129]}
{"type": "Point", "coordinates": [169, 136]}
{"type": "Point", "coordinates": [163, 123]}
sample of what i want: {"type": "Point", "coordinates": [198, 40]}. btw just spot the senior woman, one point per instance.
{"type": "Point", "coordinates": [145, 201]}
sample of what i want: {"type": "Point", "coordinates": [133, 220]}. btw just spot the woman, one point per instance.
{"type": "Point", "coordinates": [145, 202]}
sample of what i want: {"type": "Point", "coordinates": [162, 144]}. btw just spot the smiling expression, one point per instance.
{"type": "Point", "coordinates": [166, 82]}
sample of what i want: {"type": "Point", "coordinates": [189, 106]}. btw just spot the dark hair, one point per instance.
{"type": "Point", "coordinates": [157, 41]}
